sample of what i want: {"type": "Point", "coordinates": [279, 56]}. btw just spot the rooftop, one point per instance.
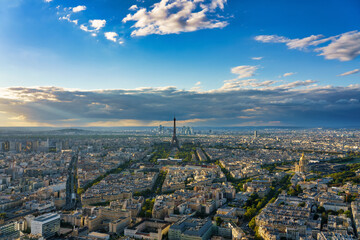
{"type": "Point", "coordinates": [46, 217]}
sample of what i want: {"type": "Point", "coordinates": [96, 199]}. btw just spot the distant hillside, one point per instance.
{"type": "Point", "coordinates": [71, 130]}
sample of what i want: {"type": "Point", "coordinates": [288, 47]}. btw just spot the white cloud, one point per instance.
{"type": "Point", "coordinates": [111, 36]}
{"type": "Point", "coordinates": [67, 18]}
{"type": "Point", "coordinates": [249, 71]}
{"type": "Point", "coordinates": [303, 42]}
{"type": "Point", "coordinates": [79, 8]}
{"type": "Point", "coordinates": [237, 84]}
{"type": "Point", "coordinates": [344, 47]}
{"type": "Point", "coordinates": [133, 7]}
{"type": "Point", "coordinates": [324, 40]}
{"type": "Point", "coordinates": [350, 72]}
{"type": "Point", "coordinates": [288, 74]}
{"type": "Point", "coordinates": [69, 11]}
{"type": "Point", "coordinates": [257, 58]}
{"type": "Point", "coordinates": [297, 43]}
{"type": "Point", "coordinates": [217, 4]}
{"type": "Point", "coordinates": [97, 24]}
{"type": "Point", "coordinates": [271, 39]}
{"type": "Point", "coordinates": [244, 71]}
{"type": "Point", "coordinates": [175, 16]}
{"type": "Point", "coordinates": [295, 84]}
{"type": "Point", "coordinates": [84, 28]}
{"type": "Point", "coordinates": [197, 87]}
{"type": "Point", "coordinates": [48, 1]}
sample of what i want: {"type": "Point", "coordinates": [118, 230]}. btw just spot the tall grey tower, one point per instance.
{"type": "Point", "coordinates": [174, 140]}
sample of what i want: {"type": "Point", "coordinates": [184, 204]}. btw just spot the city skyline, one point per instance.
{"type": "Point", "coordinates": [214, 62]}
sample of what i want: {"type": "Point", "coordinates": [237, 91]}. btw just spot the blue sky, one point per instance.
{"type": "Point", "coordinates": [197, 47]}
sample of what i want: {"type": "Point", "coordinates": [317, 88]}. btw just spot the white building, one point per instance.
{"type": "Point", "coordinates": [46, 225]}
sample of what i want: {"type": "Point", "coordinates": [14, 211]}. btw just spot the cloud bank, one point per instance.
{"type": "Point", "coordinates": [245, 103]}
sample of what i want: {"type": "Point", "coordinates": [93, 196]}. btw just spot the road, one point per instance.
{"type": "Point", "coordinates": [73, 200]}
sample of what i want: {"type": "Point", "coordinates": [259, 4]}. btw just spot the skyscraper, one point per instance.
{"type": "Point", "coordinates": [174, 140]}
{"type": "Point", "coordinates": [161, 129]}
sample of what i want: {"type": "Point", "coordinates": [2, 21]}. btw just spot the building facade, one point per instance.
{"type": "Point", "coordinates": [301, 167]}
{"type": "Point", "coordinates": [46, 225]}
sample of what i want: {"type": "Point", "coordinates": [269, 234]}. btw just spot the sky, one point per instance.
{"type": "Point", "coordinates": [84, 63]}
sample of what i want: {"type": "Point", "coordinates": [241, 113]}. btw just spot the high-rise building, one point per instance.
{"type": "Point", "coordinates": [12, 146]}
{"type": "Point", "coordinates": [44, 146]}
{"type": "Point", "coordinates": [161, 129]}
{"type": "Point", "coordinates": [6, 146]}
{"type": "Point", "coordinates": [46, 225]}
{"type": "Point", "coordinates": [18, 147]}
{"type": "Point", "coordinates": [35, 146]}
{"type": "Point", "coordinates": [59, 146]}
{"type": "Point", "coordinates": [255, 134]}
{"type": "Point", "coordinates": [174, 140]}
{"type": "Point", "coordinates": [29, 146]}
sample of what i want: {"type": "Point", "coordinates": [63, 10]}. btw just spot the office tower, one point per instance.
{"type": "Point", "coordinates": [6, 146]}
{"type": "Point", "coordinates": [18, 147]}
{"type": "Point", "coordinates": [12, 147]}
{"type": "Point", "coordinates": [161, 129]}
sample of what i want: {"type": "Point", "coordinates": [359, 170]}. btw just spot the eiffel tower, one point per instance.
{"type": "Point", "coordinates": [174, 140]}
